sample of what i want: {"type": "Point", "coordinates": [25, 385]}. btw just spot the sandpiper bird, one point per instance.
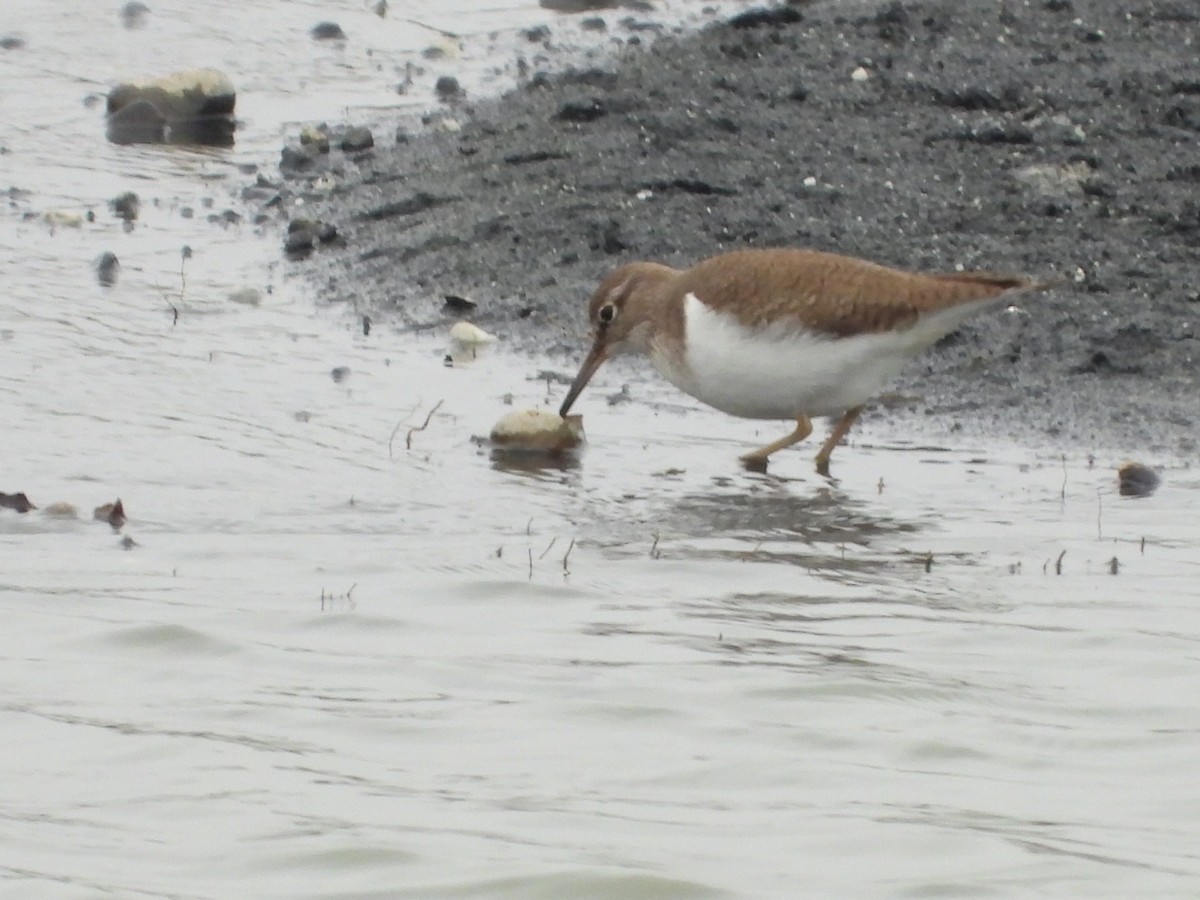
{"type": "Point", "coordinates": [782, 334]}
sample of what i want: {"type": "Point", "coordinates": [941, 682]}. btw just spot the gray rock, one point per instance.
{"type": "Point", "coordinates": [108, 268]}
{"type": "Point", "coordinates": [327, 31]}
{"type": "Point", "coordinates": [192, 106]}
{"type": "Point", "coordinates": [357, 138]}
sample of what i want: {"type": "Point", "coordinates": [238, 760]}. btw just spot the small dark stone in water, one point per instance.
{"type": "Point", "coordinates": [460, 305]}
{"type": "Point", "coordinates": [126, 206]}
{"type": "Point", "coordinates": [108, 267]}
{"type": "Point", "coordinates": [297, 159]}
{"type": "Point", "coordinates": [11, 42]}
{"type": "Point", "coordinates": [112, 513]}
{"type": "Point", "coordinates": [139, 122]}
{"type": "Point", "coordinates": [757, 18]}
{"type": "Point", "coordinates": [340, 374]}
{"type": "Point", "coordinates": [357, 138]}
{"type": "Point", "coordinates": [133, 14]}
{"type": "Point", "coordinates": [589, 111]}
{"type": "Point", "coordinates": [327, 232]}
{"type": "Point", "coordinates": [593, 23]}
{"type": "Point", "coordinates": [447, 88]}
{"type": "Point", "coordinates": [577, 6]}
{"type": "Point", "coordinates": [301, 237]}
{"type": "Point", "coordinates": [17, 501]}
{"type": "Point", "coordinates": [1137, 480]}
{"type": "Point", "coordinates": [366, 325]}
{"type": "Point", "coordinates": [537, 34]}
{"type": "Point", "coordinates": [327, 31]}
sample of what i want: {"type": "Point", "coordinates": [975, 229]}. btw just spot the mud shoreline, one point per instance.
{"type": "Point", "coordinates": [1050, 138]}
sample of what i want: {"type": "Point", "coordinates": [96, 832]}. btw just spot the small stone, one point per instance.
{"type": "Point", "coordinates": [297, 159]}
{"type": "Point", "coordinates": [134, 13]}
{"type": "Point", "coordinates": [537, 431]}
{"type": "Point", "coordinates": [107, 269]}
{"type": "Point", "coordinates": [126, 206]}
{"type": "Point", "coordinates": [340, 374]}
{"type": "Point", "coordinates": [577, 6]}
{"type": "Point", "coordinates": [11, 42]}
{"type": "Point", "coordinates": [327, 31]}
{"type": "Point", "coordinates": [593, 23]}
{"type": "Point", "coordinates": [112, 513]}
{"type": "Point", "coordinates": [61, 510]}
{"type": "Point", "coordinates": [448, 89]}
{"type": "Point", "coordinates": [301, 238]}
{"type": "Point", "coordinates": [537, 34]}
{"type": "Point", "coordinates": [587, 111]}
{"type": "Point", "coordinates": [356, 138]}
{"type": "Point", "coordinates": [17, 501]}
{"type": "Point", "coordinates": [60, 218]}
{"type": "Point", "coordinates": [460, 305]}
{"type": "Point", "coordinates": [315, 137]}
{"type": "Point", "coordinates": [1137, 480]}
{"type": "Point", "coordinates": [860, 74]}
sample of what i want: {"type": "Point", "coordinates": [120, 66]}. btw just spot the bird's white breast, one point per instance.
{"type": "Point", "coordinates": [783, 371]}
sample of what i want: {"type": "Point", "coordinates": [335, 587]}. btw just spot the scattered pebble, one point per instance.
{"type": "Point", "coordinates": [357, 138]}
{"type": "Point", "coordinates": [61, 510]}
{"type": "Point", "coordinates": [17, 501]}
{"type": "Point", "coordinates": [1137, 480]}
{"type": "Point", "coordinates": [537, 431]}
{"type": "Point", "coordinates": [59, 218]}
{"type": "Point", "coordinates": [108, 267]}
{"type": "Point", "coordinates": [134, 13]}
{"type": "Point", "coordinates": [126, 206]}
{"type": "Point", "coordinates": [860, 74]}
{"type": "Point", "coordinates": [327, 31]}
{"type": "Point", "coordinates": [112, 513]}
{"type": "Point", "coordinates": [448, 89]}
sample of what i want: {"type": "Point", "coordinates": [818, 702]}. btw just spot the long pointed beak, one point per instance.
{"type": "Point", "coordinates": [591, 363]}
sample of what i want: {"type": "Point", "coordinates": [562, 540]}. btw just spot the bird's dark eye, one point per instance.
{"type": "Point", "coordinates": [606, 314]}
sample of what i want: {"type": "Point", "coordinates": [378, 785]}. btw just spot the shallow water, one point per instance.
{"type": "Point", "coordinates": [350, 658]}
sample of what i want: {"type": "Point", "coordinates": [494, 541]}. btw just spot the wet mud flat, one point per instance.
{"type": "Point", "coordinates": [1053, 138]}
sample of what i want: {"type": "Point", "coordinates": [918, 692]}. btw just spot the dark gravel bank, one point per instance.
{"type": "Point", "coordinates": [1045, 136]}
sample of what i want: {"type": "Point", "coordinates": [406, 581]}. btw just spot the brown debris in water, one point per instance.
{"type": "Point", "coordinates": [17, 501]}
{"type": "Point", "coordinates": [112, 513]}
{"type": "Point", "coordinates": [1137, 480]}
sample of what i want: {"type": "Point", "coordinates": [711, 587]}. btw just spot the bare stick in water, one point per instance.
{"type": "Point", "coordinates": [421, 427]}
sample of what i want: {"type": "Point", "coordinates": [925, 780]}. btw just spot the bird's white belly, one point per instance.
{"type": "Point", "coordinates": [783, 372]}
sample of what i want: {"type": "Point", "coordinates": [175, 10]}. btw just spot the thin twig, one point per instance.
{"type": "Point", "coordinates": [397, 428]}
{"type": "Point", "coordinates": [530, 563]}
{"type": "Point", "coordinates": [442, 32]}
{"type": "Point", "coordinates": [548, 546]}
{"type": "Point", "coordinates": [421, 427]}
{"type": "Point", "coordinates": [567, 555]}
{"type": "Point", "coordinates": [1058, 563]}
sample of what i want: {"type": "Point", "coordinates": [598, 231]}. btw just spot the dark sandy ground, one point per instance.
{"type": "Point", "coordinates": [1045, 137]}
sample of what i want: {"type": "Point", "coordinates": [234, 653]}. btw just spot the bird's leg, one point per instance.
{"type": "Point", "coordinates": [845, 423]}
{"type": "Point", "coordinates": [758, 459]}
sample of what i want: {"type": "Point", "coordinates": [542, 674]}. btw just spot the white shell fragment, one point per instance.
{"type": "Point", "coordinates": [537, 431]}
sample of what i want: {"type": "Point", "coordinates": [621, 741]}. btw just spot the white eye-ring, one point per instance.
{"type": "Point", "coordinates": [606, 313]}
